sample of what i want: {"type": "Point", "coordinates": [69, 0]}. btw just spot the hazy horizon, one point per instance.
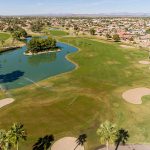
{"type": "Point", "coordinates": [16, 7]}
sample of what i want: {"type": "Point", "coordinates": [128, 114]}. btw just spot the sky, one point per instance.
{"type": "Point", "coordinates": [29, 7]}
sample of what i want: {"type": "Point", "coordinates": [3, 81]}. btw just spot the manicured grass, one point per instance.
{"type": "Point", "coordinates": [77, 102]}
{"type": "Point", "coordinates": [4, 36]}
{"type": "Point", "coordinates": [58, 33]}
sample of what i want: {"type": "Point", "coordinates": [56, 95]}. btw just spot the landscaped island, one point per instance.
{"type": "Point", "coordinates": [41, 45]}
{"type": "Point", "coordinates": [12, 38]}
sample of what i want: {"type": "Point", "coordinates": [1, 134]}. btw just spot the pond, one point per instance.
{"type": "Point", "coordinates": [18, 70]}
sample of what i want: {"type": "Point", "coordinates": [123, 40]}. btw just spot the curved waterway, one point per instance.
{"type": "Point", "coordinates": [18, 70]}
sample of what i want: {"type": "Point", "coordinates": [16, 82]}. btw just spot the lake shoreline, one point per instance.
{"type": "Point", "coordinates": [44, 52]}
{"type": "Point", "coordinates": [6, 49]}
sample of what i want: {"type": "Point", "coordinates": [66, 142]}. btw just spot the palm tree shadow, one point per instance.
{"type": "Point", "coordinates": [43, 143]}
{"type": "Point", "coordinates": [81, 140]}
{"type": "Point", "coordinates": [10, 77]}
{"type": "Point", "coordinates": [121, 137]}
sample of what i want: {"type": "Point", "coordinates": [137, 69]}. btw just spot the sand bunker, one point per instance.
{"type": "Point", "coordinates": [144, 62]}
{"type": "Point", "coordinates": [134, 96]}
{"type": "Point", "coordinates": [129, 147]}
{"type": "Point", "coordinates": [6, 101]}
{"type": "Point", "coordinates": [126, 46]}
{"type": "Point", "coordinates": [67, 143]}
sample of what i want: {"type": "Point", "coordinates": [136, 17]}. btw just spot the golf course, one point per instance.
{"type": "Point", "coordinates": [77, 101]}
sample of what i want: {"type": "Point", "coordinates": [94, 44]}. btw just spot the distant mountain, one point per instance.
{"type": "Point", "coordinates": [126, 14]}
{"type": "Point", "coordinates": [121, 14]}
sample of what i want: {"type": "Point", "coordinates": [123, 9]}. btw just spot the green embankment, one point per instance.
{"type": "Point", "coordinates": [58, 33]}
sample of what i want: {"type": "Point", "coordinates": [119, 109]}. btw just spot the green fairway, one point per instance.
{"type": "Point", "coordinates": [77, 102]}
{"type": "Point", "coordinates": [4, 36]}
{"type": "Point", "coordinates": [58, 33]}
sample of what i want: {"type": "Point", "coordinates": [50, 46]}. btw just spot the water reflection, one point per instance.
{"type": "Point", "coordinates": [43, 58]}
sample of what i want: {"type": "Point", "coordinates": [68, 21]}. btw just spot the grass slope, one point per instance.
{"type": "Point", "coordinates": [77, 102]}
{"type": "Point", "coordinates": [4, 36]}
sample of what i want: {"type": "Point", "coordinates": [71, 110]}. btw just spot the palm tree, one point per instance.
{"type": "Point", "coordinates": [17, 133]}
{"type": "Point", "coordinates": [107, 132]}
{"type": "Point", "coordinates": [5, 140]}
{"type": "Point", "coordinates": [2, 133]}
{"type": "Point", "coordinates": [122, 137]}
{"type": "Point", "coordinates": [81, 140]}
{"type": "Point", "coordinates": [44, 143]}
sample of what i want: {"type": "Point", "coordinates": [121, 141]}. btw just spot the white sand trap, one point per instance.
{"type": "Point", "coordinates": [66, 143]}
{"type": "Point", "coordinates": [134, 96]}
{"type": "Point", "coordinates": [129, 147]}
{"type": "Point", "coordinates": [144, 62]}
{"type": "Point", "coordinates": [6, 101]}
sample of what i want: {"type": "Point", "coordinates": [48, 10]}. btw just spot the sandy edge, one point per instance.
{"type": "Point", "coordinates": [126, 46]}
{"type": "Point", "coordinates": [6, 101]}
{"type": "Point", "coordinates": [144, 62]}
{"type": "Point", "coordinates": [45, 52]}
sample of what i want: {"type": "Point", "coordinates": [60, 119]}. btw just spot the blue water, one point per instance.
{"type": "Point", "coordinates": [18, 70]}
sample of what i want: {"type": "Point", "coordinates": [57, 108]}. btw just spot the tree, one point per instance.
{"type": "Point", "coordinates": [2, 42]}
{"type": "Point", "coordinates": [23, 33]}
{"type": "Point", "coordinates": [16, 35]}
{"type": "Point", "coordinates": [36, 45]}
{"type": "Point", "coordinates": [108, 36]}
{"type": "Point", "coordinates": [81, 140]}
{"type": "Point", "coordinates": [122, 137]}
{"type": "Point", "coordinates": [17, 32]}
{"type": "Point", "coordinates": [5, 140]}
{"type": "Point", "coordinates": [76, 27]}
{"type": "Point", "coordinates": [131, 39]}
{"type": "Point", "coordinates": [17, 133]}
{"type": "Point", "coordinates": [92, 31]}
{"type": "Point", "coordinates": [2, 138]}
{"type": "Point", "coordinates": [107, 132]}
{"type": "Point", "coordinates": [44, 143]}
{"type": "Point", "coordinates": [148, 31]}
{"type": "Point", "coordinates": [37, 26]}
{"type": "Point", "coordinates": [116, 38]}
